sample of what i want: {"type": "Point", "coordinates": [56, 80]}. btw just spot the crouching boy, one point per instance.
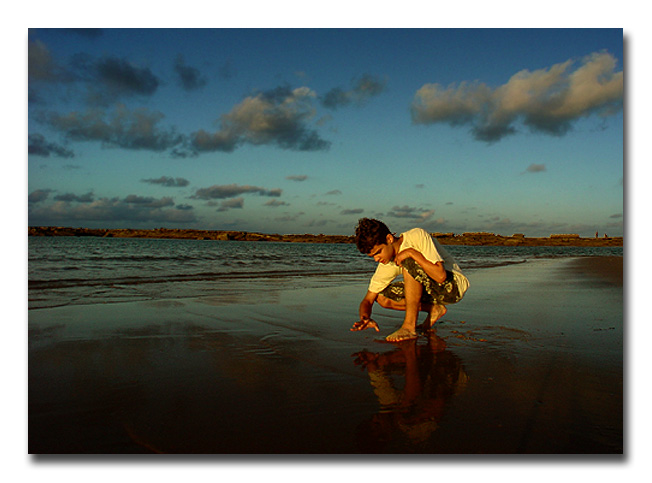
{"type": "Point", "coordinates": [431, 277]}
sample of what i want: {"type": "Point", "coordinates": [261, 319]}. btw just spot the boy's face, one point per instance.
{"type": "Point", "coordinates": [384, 253]}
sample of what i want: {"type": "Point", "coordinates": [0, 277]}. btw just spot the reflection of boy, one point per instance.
{"type": "Point", "coordinates": [431, 277]}
{"type": "Point", "coordinates": [432, 376]}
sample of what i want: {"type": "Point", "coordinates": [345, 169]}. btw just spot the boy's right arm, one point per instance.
{"type": "Point", "coordinates": [366, 321]}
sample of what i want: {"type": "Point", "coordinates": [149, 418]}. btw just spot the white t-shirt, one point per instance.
{"type": "Point", "coordinates": [421, 241]}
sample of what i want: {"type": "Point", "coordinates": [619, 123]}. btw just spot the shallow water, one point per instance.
{"type": "Point", "coordinates": [85, 270]}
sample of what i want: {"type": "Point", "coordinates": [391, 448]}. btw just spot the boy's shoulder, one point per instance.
{"type": "Point", "coordinates": [416, 232]}
{"type": "Point", "coordinates": [417, 237]}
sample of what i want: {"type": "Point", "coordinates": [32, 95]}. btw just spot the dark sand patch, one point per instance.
{"type": "Point", "coordinates": [609, 269]}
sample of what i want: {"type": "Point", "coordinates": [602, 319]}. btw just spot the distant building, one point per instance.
{"type": "Point", "coordinates": [565, 235]}
{"type": "Point", "coordinates": [479, 233]}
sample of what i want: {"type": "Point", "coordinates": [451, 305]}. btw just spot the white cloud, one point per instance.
{"type": "Point", "coordinates": [545, 100]}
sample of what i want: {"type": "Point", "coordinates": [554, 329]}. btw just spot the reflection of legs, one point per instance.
{"type": "Point", "coordinates": [413, 386]}
{"type": "Point", "coordinates": [411, 305]}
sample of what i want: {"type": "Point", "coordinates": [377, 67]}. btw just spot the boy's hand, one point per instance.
{"type": "Point", "coordinates": [365, 323]}
{"type": "Point", "coordinates": [366, 359]}
{"type": "Point", "coordinates": [408, 252]}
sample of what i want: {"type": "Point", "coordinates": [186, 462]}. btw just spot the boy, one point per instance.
{"type": "Point", "coordinates": [431, 277]}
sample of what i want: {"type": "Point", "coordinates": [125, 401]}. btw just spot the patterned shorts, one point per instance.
{"type": "Point", "coordinates": [433, 293]}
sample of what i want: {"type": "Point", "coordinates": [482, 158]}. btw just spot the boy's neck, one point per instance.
{"type": "Point", "coordinates": [397, 244]}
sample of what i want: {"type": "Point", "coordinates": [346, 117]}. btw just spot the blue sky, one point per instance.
{"type": "Point", "coordinates": [305, 131]}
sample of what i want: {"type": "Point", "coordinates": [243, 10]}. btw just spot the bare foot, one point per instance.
{"type": "Point", "coordinates": [400, 335]}
{"type": "Point", "coordinates": [437, 312]}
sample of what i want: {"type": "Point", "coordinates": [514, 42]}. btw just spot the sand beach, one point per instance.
{"type": "Point", "coordinates": [530, 362]}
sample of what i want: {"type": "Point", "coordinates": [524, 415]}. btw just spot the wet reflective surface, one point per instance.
{"type": "Point", "coordinates": [413, 384]}
{"type": "Point", "coordinates": [282, 373]}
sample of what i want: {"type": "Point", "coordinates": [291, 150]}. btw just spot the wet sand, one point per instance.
{"type": "Point", "coordinates": [531, 361]}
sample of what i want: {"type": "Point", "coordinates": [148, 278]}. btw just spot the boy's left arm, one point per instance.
{"type": "Point", "coordinates": [435, 271]}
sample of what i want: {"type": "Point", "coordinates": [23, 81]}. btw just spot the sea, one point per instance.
{"type": "Point", "coordinates": [91, 270]}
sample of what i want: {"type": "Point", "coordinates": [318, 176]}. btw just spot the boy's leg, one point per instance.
{"type": "Point", "coordinates": [435, 313]}
{"type": "Point", "coordinates": [413, 291]}
{"type": "Point", "coordinates": [439, 294]}
{"type": "Point", "coordinates": [433, 297]}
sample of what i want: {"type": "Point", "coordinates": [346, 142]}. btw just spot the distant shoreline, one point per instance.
{"type": "Point", "coordinates": [473, 239]}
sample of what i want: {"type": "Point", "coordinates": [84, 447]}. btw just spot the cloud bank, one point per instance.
{"type": "Point", "coordinates": [38, 196]}
{"type": "Point", "coordinates": [412, 213]}
{"type": "Point", "coordinates": [363, 89]}
{"type": "Point", "coordinates": [85, 198]}
{"type": "Point", "coordinates": [536, 168]}
{"type": "Point", "coordinates": [297, 177]}
{"type": "Point", "coordinates": [69, 208]}
{"type": "Point", "coordinates": [231, 203]}
{"type": "Point", "coordinates": [231, 191]}
{"type": "Point", "coordinates": [545, 100]}
{"type": "Point", "coordinates": [189, 78]}
{"type": "Point", "coordinates": [41, 66]}
{"type": "Point", "coordinates": [168, 182]}
{"type": "Point", "coordinates": [278, 117]}
{"type": "Point", "coordinates": [38, 145]}
{"type": "Point", "coordinates": [121, 127]}
{"type": "Point", "coordinates": [120, 77]}
{"type": "Point", "coordinates": [283, 117]}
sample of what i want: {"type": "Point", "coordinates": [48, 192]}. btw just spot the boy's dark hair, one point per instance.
{"type": "Point", "coordinates": [370, 233]}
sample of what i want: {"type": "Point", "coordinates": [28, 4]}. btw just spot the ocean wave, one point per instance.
{"type": "Point", "coordinates": [179, 278]}
{"type": "Point", "coordinates": [479, 264]}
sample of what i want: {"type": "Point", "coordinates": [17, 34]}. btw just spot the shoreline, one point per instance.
{"type": "Point", "coordinates": [239, 283]}
{"type": "Point", "coordinates": [282, 374]}
{"type": "Point", "coordinates": [470, 239]}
